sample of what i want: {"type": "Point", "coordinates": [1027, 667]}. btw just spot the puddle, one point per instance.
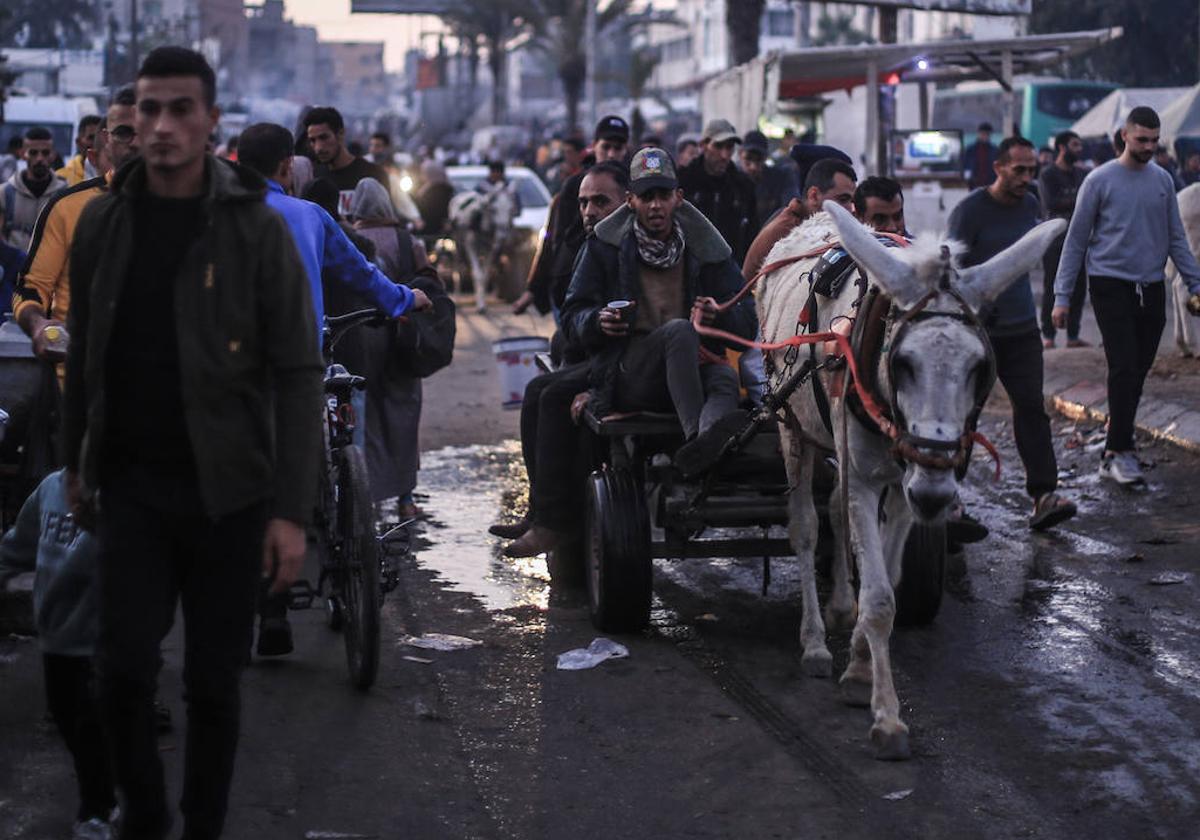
{"type": "Point", "coordinates": [469, 488]}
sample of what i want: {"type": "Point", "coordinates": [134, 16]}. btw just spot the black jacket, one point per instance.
{"type": "Point", "coordinates": [249, 366]}
{"type": "Point", "coordinates": [608, 269]}
{"type": "Point", "coordinates": [728, 201]}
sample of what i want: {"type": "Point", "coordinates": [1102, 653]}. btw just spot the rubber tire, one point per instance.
{"type": "Point", "coordinates": [362, 596]}
{"type": "Point", "coordinates": [617, 544]}
{"type": "Point", "coordinates": [922, 575]}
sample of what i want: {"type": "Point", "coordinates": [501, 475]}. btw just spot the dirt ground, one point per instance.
{"type": "Point", "coordinates": [461, 401]}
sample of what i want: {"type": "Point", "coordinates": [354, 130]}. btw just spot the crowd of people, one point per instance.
{"type": "Point", "coordinates": [183, 295]}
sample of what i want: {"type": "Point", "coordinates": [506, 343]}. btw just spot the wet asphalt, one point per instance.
{"type": "Point", "coordinates": [1055, 695]}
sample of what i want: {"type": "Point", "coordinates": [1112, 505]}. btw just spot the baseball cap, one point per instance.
{"type": "Point", "coordinates": [612, 127]}
{"type": "Point", "coordinates": [718, 131]}
{"type": "Point", "coordinates": [652, 169]}
{"type": "Point", "coordinates": [755, 141]}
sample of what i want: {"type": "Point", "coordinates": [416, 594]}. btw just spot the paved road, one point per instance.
{"type": "Point", "coordinates": [1055, 696]}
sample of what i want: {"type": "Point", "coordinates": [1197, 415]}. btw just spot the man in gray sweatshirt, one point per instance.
{"type": "Point", "coordinates": [1127, 223]}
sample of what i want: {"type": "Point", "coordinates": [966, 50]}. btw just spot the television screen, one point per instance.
{"type": "Point", "coordinates": [926, 154]}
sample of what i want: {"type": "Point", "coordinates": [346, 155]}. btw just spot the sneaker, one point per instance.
{"type": "Point", "coordinates": [1122, 467]}
{"type": "Point", "coordinates": [1078, 342]}
{"type": "Point", "coordinates": [93, 829]}
{"type": "Point", "coordinates": [1048, 343]}
{"type": "Point", "coordinates": [962, 528]}
{"type": "Point", "coordinates": [275, 637]}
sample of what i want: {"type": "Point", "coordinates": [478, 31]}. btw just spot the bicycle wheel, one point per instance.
{"type": "Point", "coordinates": [358, 567]}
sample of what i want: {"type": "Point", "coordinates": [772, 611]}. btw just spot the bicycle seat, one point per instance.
{"type": "Point", "coordinates": [340, 380]}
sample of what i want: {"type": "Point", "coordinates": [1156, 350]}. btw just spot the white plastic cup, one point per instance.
{"type": "Point", "coordinates": [516, 363]}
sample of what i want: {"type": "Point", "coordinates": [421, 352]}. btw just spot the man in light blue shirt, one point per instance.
{"type": "Point", "coordinates": [266, 148]}
{"type": "Point", "coordinates": [1126, 224]}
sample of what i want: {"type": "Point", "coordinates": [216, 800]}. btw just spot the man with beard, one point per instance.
{"type": "Point", "coordinates": [564, 229]}
{"type": "Point", "coordinates": [719, 190]}
{"type": "Point", "coordinates": [43, 292]}
{"type": "Point", "coordinates": [987, 221]}
{"type": "Point", "coordinates": [548, 437]}
{"type": "Point", "coordinates": [326, 133]}
{"type": "Point", "coordinates": [1058, 185]}
{"type": "Point", "coordinates": [25, 194]}
{"type": "Point", "coordinates": [1126, 224]}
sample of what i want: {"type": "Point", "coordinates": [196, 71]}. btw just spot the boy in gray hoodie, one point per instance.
{"type": "Point", "coordinates": [46, 541]}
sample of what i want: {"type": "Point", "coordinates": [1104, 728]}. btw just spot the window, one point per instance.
{"type": "Point", "coordinates": [1068, 101]}
{"type": "Point", "coordinates": [779, 23]}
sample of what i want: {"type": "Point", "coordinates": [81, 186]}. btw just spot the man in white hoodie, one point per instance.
{"type": "Point", "coordinates": [25, 194]}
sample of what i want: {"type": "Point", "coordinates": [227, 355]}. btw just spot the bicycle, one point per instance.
{"type": "Point", "coordinates": [352, 560]}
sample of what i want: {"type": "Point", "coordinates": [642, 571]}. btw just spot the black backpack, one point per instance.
{"type": "Point", "coordinates": [425, 341]}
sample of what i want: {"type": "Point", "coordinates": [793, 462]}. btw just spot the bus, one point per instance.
{"type": "Point", "coordinates": [1041, 107]}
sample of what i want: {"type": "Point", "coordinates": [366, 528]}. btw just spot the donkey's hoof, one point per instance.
{"type": "Point", "coordinates": [841, 620]}
{"type": "Point", "coordinates": [891, 743]}
{"type": "Point", "coordinates": [817, 663]}
{"type": "Point", "coordinates": [855, 692]}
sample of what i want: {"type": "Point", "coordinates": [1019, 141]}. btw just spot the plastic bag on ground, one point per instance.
{"type": "Point", "coordinates": [440, 641]}
{"type": "Point", "coordinates": [599, 650]}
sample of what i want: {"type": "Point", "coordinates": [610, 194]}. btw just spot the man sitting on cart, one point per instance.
{"type": "Point", "coordinates": [639, 278]}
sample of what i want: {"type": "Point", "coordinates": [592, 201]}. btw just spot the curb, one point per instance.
{"type": "Point", "coordinates": [1170, 422]}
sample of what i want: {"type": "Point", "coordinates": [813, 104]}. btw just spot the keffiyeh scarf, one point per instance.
{"type": "Point", "coordinates": [657, 253]}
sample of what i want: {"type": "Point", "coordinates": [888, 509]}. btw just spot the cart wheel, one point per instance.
{"type": "Point", "coordinates": [922, 575]}
{"type": "Point", "coordinates": [619, 568]}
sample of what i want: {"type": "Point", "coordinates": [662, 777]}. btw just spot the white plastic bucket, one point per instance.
{"type": "Point", "coordinates": [516, 362]}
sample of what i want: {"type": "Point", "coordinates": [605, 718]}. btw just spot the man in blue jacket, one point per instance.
{"type": "Point", "coordinates": [266, 148]}
{"type": "Point", "coordinates": [662, 256]}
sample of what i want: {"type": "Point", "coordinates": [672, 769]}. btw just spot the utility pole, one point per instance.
{"type": "Point", "coordinates": [134, 59]}
{"type": "Point", "coordinates": [589, 44]}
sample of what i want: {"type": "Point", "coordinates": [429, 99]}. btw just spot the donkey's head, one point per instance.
{"type": "Point", "coordinates": [937, 368]}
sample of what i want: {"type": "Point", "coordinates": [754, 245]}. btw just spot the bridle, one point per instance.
{"type": "Point", "coordinates": [909, 448]}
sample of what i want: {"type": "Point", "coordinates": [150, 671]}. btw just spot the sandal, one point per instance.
{"type": "Point", "coordinates": [1049, 510]}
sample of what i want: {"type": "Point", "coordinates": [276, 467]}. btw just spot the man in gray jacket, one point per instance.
{"type": "Point", "coordinates": [1127, 222]}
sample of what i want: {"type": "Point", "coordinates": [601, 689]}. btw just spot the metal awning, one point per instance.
{"type": "Point", "coordinates": [809, 72]}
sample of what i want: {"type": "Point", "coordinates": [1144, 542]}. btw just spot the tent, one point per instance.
{"type": "Point", "coordinates": [1110, 112]}
{"type": "Point", "coordinates": [1181, 119]}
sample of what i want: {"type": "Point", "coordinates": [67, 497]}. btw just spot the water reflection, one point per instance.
{"type": "Point", "coordinates": [470, 487]}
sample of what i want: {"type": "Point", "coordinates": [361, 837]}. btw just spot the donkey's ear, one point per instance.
{"type": "Point", "coordinates": [895, 276]}
{"type": "Point", "coordinates": [982, 284]}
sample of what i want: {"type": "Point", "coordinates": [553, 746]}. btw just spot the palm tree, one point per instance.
{"type": "Point", "coordinates": [559, 35]}
{"type": "Point", "coordinates": [743, 20]}
{"type": "Point", "coordinates": [839, 30]}
{"type": "Point", "coordinates": [491, 24]}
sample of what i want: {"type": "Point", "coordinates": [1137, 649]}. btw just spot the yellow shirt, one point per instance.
{"type": "Point", "coordinates": [47, 280]}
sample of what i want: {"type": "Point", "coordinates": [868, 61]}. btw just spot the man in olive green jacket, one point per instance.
{"type": "Point", "coordinates": [191, 411]}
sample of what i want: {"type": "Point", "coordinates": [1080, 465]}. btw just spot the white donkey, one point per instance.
{"type": "Point", "coordinates": [933, 374]}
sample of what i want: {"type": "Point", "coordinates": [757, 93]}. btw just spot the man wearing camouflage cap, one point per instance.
{"type": "Point", "coordinates": [719, 190]}
{"type": "Point", "coordinates": [662, 258]}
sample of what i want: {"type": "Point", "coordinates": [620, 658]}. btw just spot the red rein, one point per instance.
{"type": "Point", "coordinates": [843, 344]}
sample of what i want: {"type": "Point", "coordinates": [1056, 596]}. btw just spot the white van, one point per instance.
{"type": "Point", "coordinates": [60, 114]}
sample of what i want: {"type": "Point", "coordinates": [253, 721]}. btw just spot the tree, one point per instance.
{"type": "Point", "coordinates": [743, 20]}
{"type": "Point", "coordinates": [641, 68]}
{"type": "Point", "coordinates": [491, 24]}
{"type": "Point", "coordinates": [839, 30]}
{"type": "Point", "coordinates": [559, 35]}
{"type": "Point", "coordinates": [1159, 47]}
{"type": "Point", "coordinates": [47, 23]}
